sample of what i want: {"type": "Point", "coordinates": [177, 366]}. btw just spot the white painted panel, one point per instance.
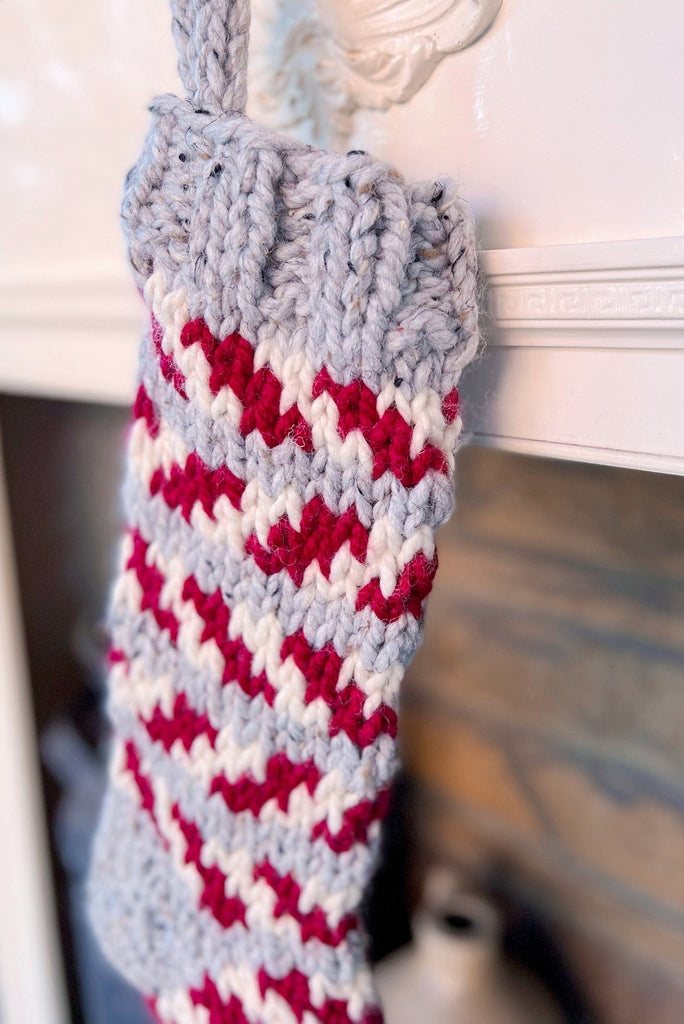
{"type": "Point", "coordinates": [31, 977]}
{"type": "Point", "coordinates": [584, 406]}
{"type": "Point", "coordinates": [75, 82]}
{"type": "Point", "coordinates": [565, 123]}
{"type": "Point", "coordinates": [585, 356]}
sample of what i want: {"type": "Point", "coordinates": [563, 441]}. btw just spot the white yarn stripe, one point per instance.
{"type": "Point", "coordinates": [140, 693]}
{"type": "Point", "coordinates": [177, 1006]}
{"type": "Point", "coordinates": [358, 994]}
{"type": "Point", "coordinates": [423, 413]}
{"type": "Point", "coordinates": [263, 637]}
{"type": "Point", "coordinates": [137, 692]}
{"type": "Point", "coordinates": [134, 689]}
{"type": "Point", "coordinates": [238, 866]}
{"type": "Point", "coordinates": [388, 552]}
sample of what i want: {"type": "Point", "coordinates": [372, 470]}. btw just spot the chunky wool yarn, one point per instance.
{"type": "Point", "coordinates": [291, 453]}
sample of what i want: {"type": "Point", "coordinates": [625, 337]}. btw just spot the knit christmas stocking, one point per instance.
{"type": "Point", "coordinates": [291, 453]}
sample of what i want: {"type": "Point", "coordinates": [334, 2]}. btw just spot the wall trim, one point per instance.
{"type": "Point", "coordinates": [584, 357]}
{"type": "Point", "coordinates": [618, 294]}
{"type": "Point", "coordinates": [585, 353]}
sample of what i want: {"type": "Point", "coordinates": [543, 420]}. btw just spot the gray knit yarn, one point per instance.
{"type": "Point", "coordinates": [290, 457]}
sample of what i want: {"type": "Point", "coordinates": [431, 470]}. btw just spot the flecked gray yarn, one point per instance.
{"type": "Point", "coordinates": [291, 453]}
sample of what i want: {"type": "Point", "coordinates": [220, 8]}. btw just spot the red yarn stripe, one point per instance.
{"type": "Point", "coordinates": [356, 821]}
{"type": "Point", "coordinates": [231, 364]}
{"type": "Point", "coordinates": [390, 441]}
{"type": "Point", "coordinates": [231, 360]}
{"type": "Point", "coordinates": [114, 656]}
{"type": "Point", "coordinates": [143, 408]}
{"type": "Point", "coordinates": [185, 725]}
{"type": "Point", "coordinates": [142, 782]}
{"type": "Point", "coordinates": [282, 778]}
{"type": "Point", "coordinates": [215, 613]}
{"type": "Point", "coordinates": [412, 587]}
{"type": "Point", "coordinates": [262, 413]}
{"type": "Point", "coordinates": [451, 405]}
{"type": "Point", "coordinates": [321, 535]}
{"type": "Point", "coordinates": [183, 486]}
{"type": "Point", "coordinates": [144, 787]}
{"type": "Point", "coordinates": [167, 364]}
{"type": "Point", "coordinates": [313, 923]}
{"type": "Point", "coordinates": [220, 1012]}
{"type": "Point", "coordinates": [211, 608]}
{"type": "Point", "coordinates": [389, 436]}
{"type": "Point", "coordinates": [151, 581]}
{"type": "Point", "coordinates": [320, 668]}
{"type": "Point", "coordinates": [294, 989]}
{"type": "Point", "coordinates": [151, 1004]}
{"type": "Point", "coordinates": [245, 794]}
{"type": "Point", "coordinates": [226, 909]}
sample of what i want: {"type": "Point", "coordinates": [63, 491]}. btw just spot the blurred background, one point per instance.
{"type": "Point", "coordinates": [542, 721]}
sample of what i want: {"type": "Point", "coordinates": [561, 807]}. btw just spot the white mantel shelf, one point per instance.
{"type": "Point", "coordinates": [585, 354]}
{"type": "Point", "coordinates": [584, 357]}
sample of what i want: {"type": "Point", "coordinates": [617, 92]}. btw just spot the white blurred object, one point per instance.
{"type": "Point", "coordinates": [31, 968]}
{"type": "Point", "coordinates": [453, 972]}
{"type": "Point", "coordinates": [104, 995]}
{"type": "Point", "coordinates": [441, 886]}
{"type": "Point", "coordinates": [315, 62]}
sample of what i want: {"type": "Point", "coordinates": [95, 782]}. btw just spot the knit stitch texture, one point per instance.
{"type": "Point", "coordinates": [291, 453]}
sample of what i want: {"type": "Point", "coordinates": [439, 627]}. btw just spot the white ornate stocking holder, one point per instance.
{"type": "Point", "coordinates": [314, 62]}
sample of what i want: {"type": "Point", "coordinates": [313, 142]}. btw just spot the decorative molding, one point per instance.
{"type": "Point", "coordinates": [588, 301]}
{"type": "Point", "coordinates": [70, 333]}
{"type": "Point", "coordinates": [586, 362]}
{"type": "Point", "coordinates": [314, 62]}
{"type": "Point", "coordinates": [622, 288]}
{"type": "Point", "coordinates": [585, 353]}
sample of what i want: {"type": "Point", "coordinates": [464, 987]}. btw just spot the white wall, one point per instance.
{"type": "Point", "coordinates": [75, 79]}
{"type": "Point", "coordinates": [566, 122]}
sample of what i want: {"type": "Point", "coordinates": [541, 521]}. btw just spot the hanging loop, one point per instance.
{"type": "Point", "coordinates": [212, 38]}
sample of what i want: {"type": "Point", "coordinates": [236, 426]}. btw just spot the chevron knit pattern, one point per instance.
{"type": "Point", "coordinates": [291, 453]}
